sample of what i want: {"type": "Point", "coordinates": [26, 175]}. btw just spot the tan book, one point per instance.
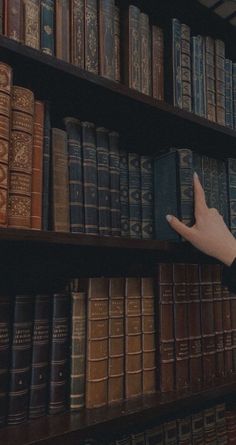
{"type": "Point", "coordinates": [31, 13]}
{"type": "Point", "coordinates": [63, 29]}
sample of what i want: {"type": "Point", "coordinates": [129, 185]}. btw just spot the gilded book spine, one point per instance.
{"type": "Point", "coordinates": [186, 68]}
{"type": "Point", "coordinates": [197, 428]}
{"type": "Point", "coordinates": [107, 38]}
{"type": "Point", "coordinates": [134, 195]}
{"type": "Point", "coordinates": [231, 175]}
{"type": "Point", "coordinates": [218, 319]}
{"type": "Point", "coordinates": [91, 36]}
{"type": "Point", "coordinates": [5, 344]}
{"type": "Point", "coordinates": [209, 425]}
{"type": "Point", "coordinates": [46, 166]}
{"type": "Point", "coordinates": [210, 79]}
{"type": "Point", "coordinates": [234, 94]}
{"type": "Point", "coordinates": [37, 167]}
{"type": "Point", "coordinates": [220, 418]}
{"type": "Point", "coordinates": [115, 183]}
{"type": "Point", "coordinates": [228, 93]}
{"type": "Point", "coordinates": [132, 72]}
{"type": "Point", "coordinates": [89, 157]}
{"type": "Point", "coordinates": [146, 167]}
{"type": "Point", "coordinates": [176, 55]}
{"type": "Point", "coordinates": [227, 327]}
{"type": "Point", "coordinates": [157, 63]}
{"type": "Point", "coordinates": [5, 115]}
{"type": "Point", "coordinates": [47, 26]}
{"type": "Point", "coordinates": [77, 33]}
{"type": "Point", "coordinates": [62, 29]}
{"type": "Point", "coordinates": [103, 179]}
{"type": "Point", "coordinates": [13, 19]}
{"type": "Point", "coordinates": [145, 56]}
{"type": "Point", "coordinates": [19, 206]}
{"type": "Point", "coordinates": [220, 81]}
{"type": "Point", "coordinates": [117, 43]}
{"type": "Point", "coordinates": [124, 194]}
{"type": "Point", "coordinates": [32, 23]}
{"type": "Point", "coordinates": [148, 335]}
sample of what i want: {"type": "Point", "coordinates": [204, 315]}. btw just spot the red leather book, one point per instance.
{"type": "Point", "coordinates": [157, 63]}
{"type": "Point", "coordinates": [148, 335]}
{"type": "Point", "coordinates": [37, 167]}
{"type": "Point", "coordinates": [62, 29]}
{"type": "Point", "coordinates": [218, 319]}
{"type": "Point", "coordinates": [227, 331]}
{"type": "Point", "coordinates": [13, 20]}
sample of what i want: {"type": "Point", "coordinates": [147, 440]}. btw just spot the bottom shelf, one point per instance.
{"type": "Point", "coordinates": [68, 428]}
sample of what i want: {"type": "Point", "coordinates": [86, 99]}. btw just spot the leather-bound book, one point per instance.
{"type": "Point", "coordinates": [197, 428]}
{"type": "Point", "coordinates": [227, 328]}
{"type": "Point", "coordinates": [184, 431]}
{"type": "Point", "coordinates": [218, 319]}
{"type": "Point", "coordinates": [91, 36]}
{"type": "Point", "coordinates": [77, 32]}
{"type": "Point", "coordinates": [107, 38]}
{"type": "Point", "coordinates": [173, 72]}
{"type": "Point", "coordinates": [97, 343]}
{"type": "Point", "coordinates": [124, 194]}
{"type": "Point", "coordinates": [78, 350]}
{"type": "Point", "coordinates": [133, 338]}
{"type": "Point", "coordinates": [220, 81]}
{"type": "Point", "coordinates": [155, 436]}
{"type": "Point", "coordinates": [62, 29]}
{"type": "Point", "coordinates": [103, 178]}
{"type": "Point", "coordinates": [114, 164]}
{"type": "Point", "coordinates": [1, 16]}
{"type": "Point", "coordinates": [59, 354]}
{"type": "Point", "coordinates": [194, 325]}
{"type": "Point", "coordinates": [181, 326]}
{"type": "Point", "coordinates": [135, 223]}
{"type": "Point", "coordinates": [166, 327]}
{"type": "Point", "coordinates": [47, 26]}
{"type": "Point", "coordinates": [13, 19]}
{"type": "Point", "coordinates": [233, 326]}
{"type": "Point", "coordinates": [186, 67]}
{"type": "Point", "coordinates": [117, 43]}
{"type": "Point", "coordinates": [37, 167]}
{"type": "Point", "coordinates": [116, 364]}
{"type": "Point", "coordinates": [234, 93]}
{"type": "Point", "coordinates": [31, 12]}
{"type": "Point", "coordinates": [146, 168]}
{"type": "Point", "coordinates": [149, 335]}
{"type": "Point", "coordinates": [210, 79]}
{"type": "Point", "coordinates": [40, 356]}
{"type": "Point", "coordinates": [60, 181]}
{"type": "Point", "coordinates": [223, 192]}
{"type": "Point", "coordinates": [157, 62]}
{"type": "Point", "coordinates": [231, 177]}
{"type": "Point", "coordinates": [20, 365]}
{"type": "Point", "coordinates": [20, 165]}
{"type": "Point", "coordinates": [229, 93]}
{"type": "Point", "coordinates": [73, 129]}
{"type": "Point", "coordinates": [89, 156]}
{"type": "Point", "coordinates": [131, 48]}
{"type": "Point", "coordinates": [230, 422]}
{"type": "Point", "coordinates": [5, 344]}
{"type": "Point", "coordinates": [221, 427]}
{"type": "Point", "coordinates": [5, 112]}
{"type": "Point", "coordinates": [209, 425]}
{"type": "Point", "coordinates": [145, 56]}
{"type": "Point", "coordinates": [207, 319]}
{"type": "Point", "coordinates": [170, 432]}
{"type": "Point", "coordinates": [46, 166]}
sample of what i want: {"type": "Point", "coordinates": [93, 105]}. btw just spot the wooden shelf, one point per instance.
{"type": "Point", "coordinates": [71, 428]}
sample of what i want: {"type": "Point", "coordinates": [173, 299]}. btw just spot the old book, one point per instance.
{"type": "Point", "coordinates": [184, 431]}
{"type": "Point", "coordinates": [145, 56]}
{"type": "Point", "coordinates": [76, 200]}
{"type": "Point", "coordinates": [220, 419]}
{"type": "Point", "coordinates": [218, 319]}
{"type": "Point", "coordinates": [77, 32]}
{"type": "Point", "coordinates": [78, 349]}
{"type": "Point", "coordinates": [135, 223]}
{"type": "Point", "coordinates": [227, 329]}
{"type": "Point", "coordinates": [117, 43]}
{"type": "Point", "coordinates": [173, 74]}
{"type": "Point", "coordinates": [229, 93]}
{"type": "Point", "coordinates": [149, 319]}
{"type": "Point", "coordinates": [209, 425]}
{"type": "Point", "coordinates": [107, 38]}
{"type": "Point", "coordinates": [186, 67]}
{"type": "Point", "coordinates": [157, 62]}
{"type": "Point", "coordinates": [13, 19]}
{"type": "Point", "coordinates": [131, 48]}
{"type": "Point", "coordinates": [1, 16]}
{"type": "Point", "coordinates": [91, 36]}
{"type": "Point", "coordinates": [40, 356]}
{"type": "Point", "coordinates": [210, 78]}
{"type": "Point", "coordinates": [37, 166]}
{"type": "Point", "coordinates": [62, 29]}
{"type": "Point", "coordinates": [5, 345]}
{"type": "Point", "coordinates": [114, 168]}
{"type": "Point", "coordinates": [231, 186]}
{"type": "Point", "coordinates": [170, 432]}
{"type": "Point", "coordinates": [46, 166]}
{"type": "Point", "coordinates": [31, 14]}
{"type": "Point", "coordinates": [155, 436]}
{"type": "Point", "coordinates": [103, 180]}
{"type": "Point", "coordinates": [234, 93]}
{"type": "Point", "coordinates": [223, 193]}
{"type": "Point", "coordinates": [220, 80]}
{"type": "Point", "coordinates": [124, 194]}
{"type": "Point", "coordinates": [59, 354]}
{"type": "Point", "coordinates": [47, 27]}
{"type": "Point", "coordinates": [60, 181]}
{"type": "Point", "coordinates": [146, 169]}
{"type": "Point", "coordinates": [90, 185]}
{"type": "Point", "coordinates": [97, 343]}
{"type": "Point", "coordinates": [233, 326]}
{"type": "Point", "coordinates": [197, 428]}
{"type": "Point", "coordinates": [166, 327]}
{"type": "Point", "coordinates": [133, 338]}
{"type": "Point", "coordinates": [20, 180]}
{"type": "Point", "coordinates": [5, 113]}
{"type": "Point", "coordinates": [20, 363]}
{"type": "Point", "coordinates": [116, 362]}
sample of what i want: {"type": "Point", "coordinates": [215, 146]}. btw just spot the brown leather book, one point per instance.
{"type": "Point", "coordinates": [63, 29]}
{"type": "Point", "coordinates": [148, 335]}
{"type": "Point", "coordinates": [166, 327]}
{"type": "Point", "coordinates": [20, 165]}
{"type": "Point", "coordinates": [117, 43]}
{"type": "Point", "coordinates": [157, 63]}
{"type": "Point", "coordinates": [233, 326]}
{"type": "Point", "coordinates": [197, 428]}
{"type": "Point", "coordinates": [97, 342]}
{"type": "Point", "coordinates": [107, 38]}
{"type": "Point", "coordinates": [227, 331]}
{"type": "Point", "coordinates": [220, 80]}
{"type": "Point", "coordinates": [221, 429]}
{"type": "Point", "coordinates": [13, 21]}
{"type": "Point", "coordinates": [218, 319]}
{"type": "Point", "coordinates": [116, 365]}
{"type": "Point", "coordinates": [5, 112]}
{"type": "Point", "coordinates": [91, 36]}
{"type": "Point", "coordinates": [37, 167]}
{"type": "Point", "coordinates": [131, 48]}
{"type": "Point", "coordinates": [77, 32]}
{"type": "Point", "coordinates": [210, 79]}
{"type": "Point", "coordinates": [31, 15]}
{"type": "Point", "coordinates": [170, 432]}
{"type": "Point", "coordinates": [145, 54]}
{"type": "Point", "coordinates": [155, 436]}
{"type": "Point", "coordinates": [209, 425]}
{"type": "Point", "coordinates": [184, 431]}
{"type": "Point", "coordinates": [60, 181]}
{"type": "Point", "coordinates": [133, 338]}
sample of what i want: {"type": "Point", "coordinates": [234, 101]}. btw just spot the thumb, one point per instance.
{"type": "Point", "coordinates": [179, 227]}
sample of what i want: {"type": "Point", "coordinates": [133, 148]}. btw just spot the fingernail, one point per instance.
{"type": "Point", "coordinates": [169, 218]}
{"type": "Point", "coordinates": [195, 174]}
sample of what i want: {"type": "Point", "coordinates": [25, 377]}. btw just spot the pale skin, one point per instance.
{"type": "Point", "coordinates": [209, 233]}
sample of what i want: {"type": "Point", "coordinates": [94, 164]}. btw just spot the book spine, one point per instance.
{"type": "Point", "coordinates": [114, 164]}
{"type": "Point", "coordinates": [73, 128]}
{"type": "Point", "coordinates": [97, 343]}
{"type": "Point", "coordinates": [1, 16]}
{"type": "Point", "coordinates": [186, 67]}
{"type": "Point", "coordinates": [77, 32]}
{"type": "Point", "coordinates": [37, 167]}
{"type": "Point", "coordinates": [197, 428]}
{"type": "Point", "coordinates": [185, 181]}
{"type": "Point", "coordinates": [221, 430]}
{"type": "Point", "coordinates": [170, 432]}
{"type": "Point", "coordinates": [60, 181]}
{"type": "Point", "coordinates": [166, 327]}
{"type": "Point", "coordinates": [58, 382]}
{"type": "Point", "coordinates": [31, 13]}
{"type": "Point", "coordinates": [20, 368]}
{"type": "Point", "coordinates": [195, 75]}
{"type": "Point", "coordinates": [19, 208]}
{"type": "Point", "coordinates": [116, 365]}
{"type": "Point", "coordinates": [132, 53]}
{"type": "Point", "coordinates": [210, 79]}
{"type": "Point", "coordinates": [134, 195]}
{"type": "Point", "coordinates": [233, 326]}
{"type": "Point", "coordinates": [78, 350]}
{"type": "Point", "coordinates": [146, 168]}
{"type": "Point", "coordinates": [231, 175]}
{"type": "Point", "coordinates": [176, 61]}
{"type": "Point", "coordinates": [227, 328]}
{"type": "Point", "coordinates": [148, 335]}
{"type": "Point", "coordinates": [209, 425]}
{"type": "Point", "coordinates": [103, 178]}
{"type": "Point", "coordinates": [40, 357]}
{"type": "Point", "coordinates": [220, 81]}
{"type": "Point", "coordinates": [184, 431]}
{"type": "Point", "coordinates": [5, 116]}
{"type": "Point", "coordinates": [218, 319]}
{"type": "Point", "coordinates": [214, 201]}
{"type": "Point", "coordinates": [234, 93]}
{"type": "Point", "coordinates": [202, 76]}
{"type": "Point", "coordinates": [133, 338]}
{"type": "Point", "coordinates": [62, 29]}
{"type": "Point", "coordinates": [228, 94]}
{"type": "Point", "coordinates": [46, 166]}
{"type": "Point", "coordinates": [5, 345]}
{"type": "Point", "coordinates": [155, 436]}
{"type": "Point", "coordinates": [89, 157]}
{"type": "Point", "coordinates": [206, 178]}
{"type": "Point", "coordinates": [145, 54]}
{"type": "Point", "coordinates": [124, 194]}
{"type": "Point", "coordinates": [117, 43]}
{"type": "Point", "coordinates": [223, 195]}
{"type": "Point", "coordinates": [157, 63]}
{"type": "Point", "coordinates": [91, 36]}
{"type": "Point", "coordinates": [47, 27]}
{"type": "Point", "coordinates": [107, 38]}
{"type": "Point", "coordinates": [13, 19]}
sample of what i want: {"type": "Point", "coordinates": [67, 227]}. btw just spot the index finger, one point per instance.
{"type": "Point", "coordinates": [199, 195]}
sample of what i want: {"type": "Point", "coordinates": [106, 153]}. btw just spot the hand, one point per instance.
{"type": "Point", "coordinates": [209, 233]}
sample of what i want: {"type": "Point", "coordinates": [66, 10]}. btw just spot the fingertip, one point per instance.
{"type": "Point", "coordinates": [169, 218]}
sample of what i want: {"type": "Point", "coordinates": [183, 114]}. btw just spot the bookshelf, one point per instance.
{"type": "Point", "coordinates": [38, 261]}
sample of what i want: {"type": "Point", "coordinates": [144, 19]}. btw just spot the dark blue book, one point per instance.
{"type": "Point", "coordinates": [103, 178]}
{"type": "Point", "coordinates": [228, 94]}
{"type": "Point", "coordinates": [46, 165]}
{"type": "Point", "coordinates": [231, 171]}
{"type": "Point", "coordinates": [146, 165]}
{"type": "Point", "coordinates": [135, 224]}
{"type": "Point", "coordinates": [114, 162]}
{"type": "Point", "coordinates": [124, 193]}
{"type": "Point", "coordinates": [47, 26]}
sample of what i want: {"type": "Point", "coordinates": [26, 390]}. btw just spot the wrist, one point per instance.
{"type": "Point", "coordinates": [228, 257]}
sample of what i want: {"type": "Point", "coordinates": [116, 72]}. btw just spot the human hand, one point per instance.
{"type": "Point", "coordinates": [209, 233]}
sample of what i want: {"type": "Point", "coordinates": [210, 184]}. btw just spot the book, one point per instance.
{"type": "Point", "coordinates": [13, 19]}
{"type": "Point", "coordinates": [209, 425]}
{"type": "Point", "coordinates": [227, 329]}
{"type": "Point", "coordinates": [131, 48]}
{"type": "Point", "coordinates": [233, 326]}
{"type": "Point", "coordinates": [31, 17]}
{"type": "Point", "coordinates": [47, 27]}
{"type": "Point", "coordinates": [146, 170]}
{"type": "Point", "coordinates": [114, 168]}
{"type": "Point", "coordinates": [220, 80]}
{"type": "Point", "coordinates": [145, 56]}
{"type": "Point", "coordinates": [117, 44]}
{"type": "Point", "coordinates": [91, 36]}
{"type": "Point", "coordinates": [170, 432]}
{"type": "Point", "coordinates": [155, 436]}
{"type": "Point", "coordinates": [37, 167]}
{"type": "Point", "coordinates": [186, 67]}
{"type": "Point", "coordinates": [1, 17]}
{"type": "Point", "coordinates": [218, 319]}
{"type": "Point", "coordinates": [46, 166]}
{"type": "Point", "coordinates": [135, 222]}
{"type": "Point", "coordinates": [124, 193]}
{"type": "Point", "coordinates": [184, 427]}
{"type": "Point", "coordinates": [103, 181]}
{"type": "Point", "coordinates": [197, 428]}
{"type": "Point", "coordinates": [173, 86]}
{"type": "Point", "coordinates": [234, 93]}
{"type": "Point", "coordinates": [5, 351]}
{"type": "Point", "coordinates": [107, 38]}
{"type": "Point", "coordinates": [77, 33]}
{"type": "Point", "coordinates": [231, 181]}
{"type": "Point", "coordinates": [157, 62]}
{"type": "Point", "coordinates": [229, 94]}
{"type": "Point", "coordinates": [149, 335]}
{"type": "Point", "coordinates": [90, 184]}
{"type": "Point", "coordinates": [220, 419]}
{"type": "Point", "coordinates": [210, 78]}
{"type": "Point", "coordinates": [62, 29]}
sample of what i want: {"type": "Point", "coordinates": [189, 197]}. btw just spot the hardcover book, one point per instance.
{"type": "Point", "coordinates": [13, 19]}
{"type": "Point", "coordinates": [103, 179]}
{"type": "Point", "coordinates": [77, 33]}
{"type": "Point", "coordinates": [145, 56]}
{"type": "Point", "coordinates": [135, 223]}
{"type": "Point", "coordinates": [46, 166]}
{"type": "Point", "coordinates": [91, 36]}
{"type": "Point", "coordinates": [124, 193]}
{"type": "Point", "coordinates": [90, 184]}
{"type": "Point", "coordinates": [114, 168]}
{"type": "Point", "coordinates": [131, 48]}
{"type": "Point", "coordinates": [157, 62]}
{"type": "Point", "coordinates": [146, 168]}
{"type": "Point", "coordinates": [62, 29]}
{"type": "Point", "coordinates": [31, 14]}
{"type": "Point", "coordinates": [5, 350]}
{"type": "Point", "coordinates": [37, 167]}
{"type": "Point", "coordinates": [149, 335]}
{"type": "Point", "coordinates": [107, 38]}
{"type": "Point", "coordinates": [220, 80]}
{"type": "Point", "coordinates": [47, 26]}
{"type": "Point", "coordinates": [186, 67]}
